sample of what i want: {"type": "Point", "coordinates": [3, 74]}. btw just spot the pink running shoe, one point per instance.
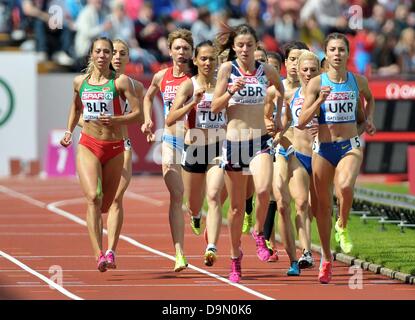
{"type": "Point", "coordinates": [236, 271]}
{"type": "Point", "coordinates": [324, 276]}
{"type": "Point", "coordinates": [274, 256]}
{"type": "Point", "coordinates": [102, 263]}
{"type": "Point", "coordinates": [261, 248]}
{"type": "Point", "coordinates": [110, 257]}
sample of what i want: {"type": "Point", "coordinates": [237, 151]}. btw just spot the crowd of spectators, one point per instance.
{"type": "Point", "coordinates": [381, 33]}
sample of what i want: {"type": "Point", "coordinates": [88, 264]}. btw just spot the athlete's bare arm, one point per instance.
{"type": "Point", "coordinates": [370, 103]}
{"type": "Point", "coordinates": [314, 97]}
{"type": "Point", "coordinates": [275, 80]}
{"type": "Point", "coordinates": [74, 112]}
{"type": "Point", "coordinates": [269, 110]}
{"type": "Point", "coordinates": [152, 90]}
{"type": "Point", "coordinates": [221, 95]}
{"type": "Point", "coordinates": [179, 109]}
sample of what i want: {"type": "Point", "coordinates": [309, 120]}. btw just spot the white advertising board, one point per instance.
{"type": "Point", "coordinates": [18, 110]}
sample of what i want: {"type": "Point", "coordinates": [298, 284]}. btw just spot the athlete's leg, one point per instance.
{"type": "Point", "coordinates": [283, 197]}
{"type": "Point", "coordinates": [262, 168]}
{"type": "Point", "coordinates": [193, 184]}
{"type": "Point", "coordinates": [236, 185]}
{"type": "Point", "coordinates": [172, 175]}
{"type": "Point", "coordinates": [323, 174]}
{"type": "Point", "coordinates": [347, 171]}
{"type": "Point", "coordinates": [90, 178]}
{"type": "Point", "coordinates": [299, 189]}
{"type": "Point", "coordinates": [214, 185]}
{"type": "Point", "coordinates": [116, 211]}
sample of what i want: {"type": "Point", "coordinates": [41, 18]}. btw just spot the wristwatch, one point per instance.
{"type": "Point", "coordinates": [230, 92]}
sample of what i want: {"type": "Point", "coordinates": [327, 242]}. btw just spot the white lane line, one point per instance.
{"type": "Point", "coordinates": [40, 276]}
{"type": "Point", "coordinates": [210, 274]}
{"type": "Point", "coordinates": [22, 196]}
{"type": "Point", "coordinates": [53, 207]}
{"type": "Point", "coordinates": [134, 256]}
{"type": "Point", "coordinates": [141, 197]}
{"type": "Point", "coordinates": [216, 284]}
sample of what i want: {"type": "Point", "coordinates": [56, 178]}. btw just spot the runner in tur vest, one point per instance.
{"type": "Point", "coordinates": [203, 142]}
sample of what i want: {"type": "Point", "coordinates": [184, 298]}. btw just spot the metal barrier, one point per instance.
{"type": "Point", "coordinates": [387, 207]}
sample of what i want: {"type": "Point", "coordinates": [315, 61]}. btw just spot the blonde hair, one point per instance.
{"type": "Point", "coordinates": [123, 43]}
{"type": "Point", "coordinates": [184, 34]}
{"type": "Point", "coordinates": [308, 55]}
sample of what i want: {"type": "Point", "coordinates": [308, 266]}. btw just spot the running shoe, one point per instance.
{"type": "Point", "coordinates": [294, 269]}
{"type": "Point", "coordinates": [181, 262]}
{"type": "Point", "coordinates": [210, 257]}
{"type": "Point", "coordinates": [236, 271]}
{"type": "Point", "coordinates": [324, 276]}
{"type": "Point", "coordinates": [306, 260]}
{"type": "Point", "coordinates": [196, 224]}
{"type": "Point", "coordinates": [102, 263]}
{"type": "Point", "coordinates": [110, 257]}
{"type": "Point", "coordinates": [246, 227]}
{"type": "Point", "coordinates": [274, 256]}
{"type": "Point", "coordinates": [342, 236]}
{"type": "Point", "coordinates": [261, 248]}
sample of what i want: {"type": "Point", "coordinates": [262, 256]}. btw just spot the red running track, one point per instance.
{"type": "Point", "coordinates": [43, 235]}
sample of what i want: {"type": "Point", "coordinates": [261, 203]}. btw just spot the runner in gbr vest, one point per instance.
{"type": "Point", "coordinates": [167, 81]}
{"type": "Point", "coordinates": [203, 142]}
{"type": "Point", "coordinates": [100, 154]}
{"type": "Point", "coordinates": [240, 90]}
{"type": "Point", "coordinates": [260, 55]}
{"type": "Point", "coordinates": [334, 97]}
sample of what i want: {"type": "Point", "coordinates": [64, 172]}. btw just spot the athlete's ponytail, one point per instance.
{"type": "Point", "coordinates": [225, 39]}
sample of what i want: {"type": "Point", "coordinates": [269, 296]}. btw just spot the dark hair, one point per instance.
{"type": "Point", "coordinates": [336, 36]}
{"type": "Point", "coordinates": [293, 45]}
{"type": "Point", "coordinates": [206, 43]}
{"type": "Point", "coordinates": [275, 55]}
{"type": "Point", "coordinates": [260, 48]}
{"type": "Point", "coordinates": [225, 39]}
{"type": "Point", "coordinates": [322, 62]}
